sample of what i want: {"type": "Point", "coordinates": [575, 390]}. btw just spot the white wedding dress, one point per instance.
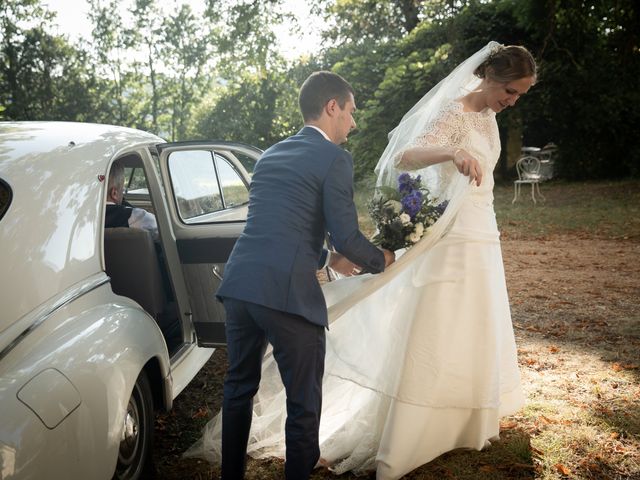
{"type": "Point", "coordinates": [427, 362]}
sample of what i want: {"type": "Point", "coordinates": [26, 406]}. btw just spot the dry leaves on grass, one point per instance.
{"type": "Point", "coordinates": [618, 367]}
{"type": "Point", "coordinates": [560, 468]}
{"type": "Point", "coordinates": [202, 412]}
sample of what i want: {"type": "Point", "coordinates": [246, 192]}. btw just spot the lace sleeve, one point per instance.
{"type": "Point", "coordinates": [441, 132]}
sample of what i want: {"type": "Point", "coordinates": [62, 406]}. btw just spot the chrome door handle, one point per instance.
{"type": "Point", "coordinates": [216, 272]}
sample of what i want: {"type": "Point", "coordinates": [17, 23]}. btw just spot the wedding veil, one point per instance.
{"type": "Point", "coordinates": [457, 84]}
{"type": "Point", "coordinates": [442, 185]}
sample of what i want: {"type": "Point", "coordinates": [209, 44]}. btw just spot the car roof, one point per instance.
{"type": "Point", "coordinates": [50, 237]}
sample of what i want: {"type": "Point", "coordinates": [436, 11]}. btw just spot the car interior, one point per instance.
{"type": "Point", "coordinates": [135, 263]}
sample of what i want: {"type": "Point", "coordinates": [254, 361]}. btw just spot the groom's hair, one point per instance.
{"type": "Point", "coordinates": [318, 89]}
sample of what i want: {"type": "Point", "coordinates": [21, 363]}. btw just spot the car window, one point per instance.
{"type": "Point", "coordinates": [234, 190]}
{"type": "Point", "coordinates": [249, 163]}
{"type": "Point", "coordinates": [136, 181]}
{"type": "Point", "coordinates": [207, 186]}
{"type": "Point", "coordinates": [195, 183]}
{"type": "Point", "coordinates": [5, 198]}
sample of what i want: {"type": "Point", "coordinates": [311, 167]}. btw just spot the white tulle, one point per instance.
{"type": "Point", "coordinates": [420, 359]}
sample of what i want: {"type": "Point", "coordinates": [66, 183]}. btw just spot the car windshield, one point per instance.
{"type": "Point", "coordinates": [5, 198]}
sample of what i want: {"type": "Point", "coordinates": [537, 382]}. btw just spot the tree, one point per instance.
{"type": "Point", "coordinates": [110, 45]}
{"type": "Point", "coordinates": [244, 35]}
{"type": "Point", "coordinates": [592, 117]}
{"type": "Point", "coordinates": [148, 32]}
{"type": "Point", "coordinates": [186, 48]}
{"type": "Point", "coordinates": [42, 76]}
{"type": "Point", "coordinates": [360, 21]}
{"type": "Point", "coordinates": [256, 109]}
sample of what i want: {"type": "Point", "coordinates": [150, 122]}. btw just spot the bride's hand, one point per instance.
{"type": "Point", "coordinates": [467, 165]}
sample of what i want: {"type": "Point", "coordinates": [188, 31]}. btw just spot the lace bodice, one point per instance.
{"type": "Point", "coordinates": [476, 132]}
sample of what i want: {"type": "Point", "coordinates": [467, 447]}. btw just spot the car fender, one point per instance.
{"type": "Point", "coordinates": [65, 387]}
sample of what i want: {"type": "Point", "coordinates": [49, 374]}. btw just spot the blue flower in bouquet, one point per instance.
{"type": "Point", "coordinates": [403, 215]}
{"type": "Point", "coordinates": [412, 203]}
{"type": "Point", "coordinates": [407, 184]}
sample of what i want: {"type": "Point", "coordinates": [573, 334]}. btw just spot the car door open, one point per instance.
{"type": "Point", "coordinates": [207, 191]}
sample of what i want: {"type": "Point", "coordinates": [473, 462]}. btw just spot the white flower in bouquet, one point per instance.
{"type": "Point", "coordinates": [405, 218]}
{"type": "Point", "coordinates": [414, 237]}
{"type": "Point", "coordinates": [419, 229]}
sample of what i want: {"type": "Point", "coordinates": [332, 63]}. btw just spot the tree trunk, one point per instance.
{"type": "Point", "coordinates": [512, 144]}
{"type": "Point", "coordinates": [154, 93]}
{"type": "Point", "coordinates": [410, 13]}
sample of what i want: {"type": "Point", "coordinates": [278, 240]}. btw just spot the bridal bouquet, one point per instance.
{"type": "Point", "coordinates": [403, 215]}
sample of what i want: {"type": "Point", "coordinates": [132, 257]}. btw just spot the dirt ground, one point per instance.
{"type": "Point", "coordinates": [576, 313]}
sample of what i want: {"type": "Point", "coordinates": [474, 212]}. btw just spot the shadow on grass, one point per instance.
{"type": "Point", "coordinates": [512, 457]}
{"type": "Point", "coordinates": [624, 421]}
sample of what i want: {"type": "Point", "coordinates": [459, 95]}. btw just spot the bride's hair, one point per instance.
{"type": "Point", "coordinates": [507, 63]}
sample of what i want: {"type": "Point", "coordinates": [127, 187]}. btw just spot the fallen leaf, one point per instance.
{"type": "Point", "coordinates": [537, 451]}
{"type": "Point", "coordinates": [487, 468]}
{"type": "Point", "coordinates": [619, 448]}
{"type": "Point", "coordinates": [547, 419]}
{"type": "Point", "coordinates": [604, 410]}
{"type": "Point", "coordinates": [624, 366]}
{"type": "Point", "coordinates": [562, 469]}
{"type": "Point", "coordinates": [201, 413]}
{"type": "Point", "coordinates": [508, 425]}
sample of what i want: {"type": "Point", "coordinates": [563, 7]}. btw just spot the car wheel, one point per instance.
{"type": "Point", "coordinates": [134, 455]}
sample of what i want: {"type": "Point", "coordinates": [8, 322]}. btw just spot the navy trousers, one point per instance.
{"type": "Point", "coordinates": [299, 349]}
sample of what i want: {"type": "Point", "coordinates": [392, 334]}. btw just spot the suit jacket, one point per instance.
{"type": "Point", "coordinates": [117, 216]}
{"type": "Point", "coordinates": [302, 188]}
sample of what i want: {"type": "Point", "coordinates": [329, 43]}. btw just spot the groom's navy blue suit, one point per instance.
{"type": "Point", "coordinates": [302, 189]}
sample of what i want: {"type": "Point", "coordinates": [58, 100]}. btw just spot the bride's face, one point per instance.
{"type": "Point", "coordinates": [502, 95]}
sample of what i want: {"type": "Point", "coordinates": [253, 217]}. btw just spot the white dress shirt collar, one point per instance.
{"type": "Point", "coordinates": [320, 130]}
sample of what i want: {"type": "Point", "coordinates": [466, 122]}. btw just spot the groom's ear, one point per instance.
{"type": "Point", "coordinates": [331, 107]}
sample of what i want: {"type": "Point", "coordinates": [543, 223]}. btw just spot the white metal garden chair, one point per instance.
{"type": "Point", "coordinates": [528, 168]}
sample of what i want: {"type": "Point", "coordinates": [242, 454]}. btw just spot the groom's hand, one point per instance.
{"type": "Point", "coordinates": [389, 257]}
{"type": "Point", "coordinates": [343, 265]}
{"type": "Point", "coordinates": [467, 165]}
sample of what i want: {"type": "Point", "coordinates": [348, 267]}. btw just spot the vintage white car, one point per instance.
{"type": "Point", "coordinates": [100, 327]}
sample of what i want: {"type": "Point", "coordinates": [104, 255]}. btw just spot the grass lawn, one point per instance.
{"type": "Point", "coordinates": [604, 210]}
{"type": "Point", "coordinates": [573, 273]}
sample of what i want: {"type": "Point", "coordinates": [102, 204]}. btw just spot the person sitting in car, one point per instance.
{"type": "Point", "coordinates": [119, 213]}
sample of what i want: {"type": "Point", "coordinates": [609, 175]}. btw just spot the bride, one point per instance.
{"type": "Point", "coordinates": [420, 359]}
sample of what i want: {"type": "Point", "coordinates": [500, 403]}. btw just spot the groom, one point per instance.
{"type": "Point", "coordinates": [302, 189]}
